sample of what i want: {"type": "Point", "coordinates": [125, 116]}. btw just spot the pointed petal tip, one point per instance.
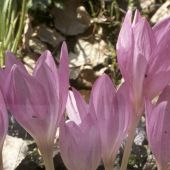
{"type": "Point", "coordinates": [63, 74]}
{"type": "Point", "coordinates": [128, 17]}
{"type": "Point", "coordinates": [104, 75]}
{"type": "Point", "coordinates": [64, 63]}
{"type": "Point", "coordinates": [137, 17]}
{"type": "Point", "coordinates": [105, 79]}
{"type": "Point", "coordinates": [129, 12]}
{"type": "Point", "coordinates": [9, 55]}
{"type": "Point", "coordinates": [7, 52]}
{"type": "Point", "coordinates": [64, 52]}
{"type": "Point", "coordinates": [64, 45]}
{"type": "Point", "coordinates": [45, 60]}
{"type": "Point", "coordinates": [45, 54]}
{"type": "Point", "coordinates": [47, 51]}
{"type": "Point", "coordinates": [11, 60]}
{"type": "Point", "coordinates": [17, 70]}
{"type": "Point", "coordinates": [137, 12]}
{"type": "Point", "coordinates": [14, 67]}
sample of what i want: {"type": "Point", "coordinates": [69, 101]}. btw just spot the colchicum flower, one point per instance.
{"type": "Point", "coordinates": [112, 112]}
{"type": "Point", "coordinates": [144, 60]}
{"type": "Point", "coordinates": [3, 126]}
{"type": "Point", "coordinates": [38, 101]}
{"type": "Point", "coordinates": [143, 57]}
{"type": "Point", "coordinates": [158, 128]}
{"type": "Point", "coordinates": [10, 60]}
{"type": "Point", "coordinates": [80, 146]}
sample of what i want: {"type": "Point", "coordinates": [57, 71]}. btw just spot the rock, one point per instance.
{"type": "Point", "coordinates": [37, 46]}
{"type": "Point", "coordinates": [140, 133]}
{"type": "Point", "coordinates": [74, 72]}
{"type": "Point", "coordinates": [41, 37]}
{"type": "Point", "coordinates": [150, 164]}
{"type": "Point", "coordinates": [162, 13]}
{"type": "Point", "coordinates": [72, 19]}
{"type": "Point", "coordinates": [146, 4]}
{"type": "Point", "coordinates": [14, 151]}
{"type": "Point", "coordinates": [85, 78]}
{"type": "Point", "coordinates": [89, 54]}
{"type": "Point", "coordinates": [29, 63]}
{"type": "Point", "coordinates": [48, 35]}
{"type": "Point", "coordinates": [140, 137]}
{"type": "Point", "coordinates": [138, 157]}
{"type": "Point", "coordinates": [87, 74]}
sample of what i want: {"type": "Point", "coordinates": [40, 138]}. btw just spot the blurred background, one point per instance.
{"type": "Point", "coordinates": [90, 29]}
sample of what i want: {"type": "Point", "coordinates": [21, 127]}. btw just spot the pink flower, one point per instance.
{"type": "Point", "coordinates": [144, 61]}
{"type": "Point", "coordinates": [10, 60]}
{"type": "Point", "coordinates": [3, 126]}
{"type": "Point", "coordinates": [79, 136]}
{"type": "Point", "coordinates": [112, 112]}
{"type": "Point", "coordinates": [38, 101]}
{"type": "Point", "coordinates": [158, 128]}
{"type": "Point", "coordinates": [143, 57]}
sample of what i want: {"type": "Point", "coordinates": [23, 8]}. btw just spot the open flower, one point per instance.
{"type": "Point", "coordinates": [143, 57]}
{"type": "Point", "coordinates": [158, 128]}
{"type": "Point", "coordinates": [112, 112]}
{"type": "Point", "coordinates": [144, 60]}
{"type": "Point", "coordinates": [79, 136]}
{"type": "Point", "coordinates": [38, 101]}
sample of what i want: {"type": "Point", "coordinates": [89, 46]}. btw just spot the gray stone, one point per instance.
{"type": "Point", "coordinates": [37, 45]}
{"type": "Point", "coordinates": [14, 151]}
{"type": "Point", "coordinates": [89, 54]}
{"type": "Point", "coordinates": [162, 13]}
{"type": "Point", "coordinates": [48, 35]}
{"type": "Point", "coordinates": [72, 19]}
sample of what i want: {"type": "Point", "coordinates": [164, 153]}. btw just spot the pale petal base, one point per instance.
{"type": "Point", "coordinates": [128, 145]}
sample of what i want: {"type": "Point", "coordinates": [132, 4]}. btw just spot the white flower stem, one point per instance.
{"type": "Point", "coordinates": [128, 145]}
{"type": "Point", "coordinates": [47, 155]}
{"type": "Point", "coordinates": [109, 167]}
{"type": "Point", "coordinates": [48, 161]}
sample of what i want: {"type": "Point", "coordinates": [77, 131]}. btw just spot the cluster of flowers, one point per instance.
{"type": "Point", "coordinates": [94, 131]}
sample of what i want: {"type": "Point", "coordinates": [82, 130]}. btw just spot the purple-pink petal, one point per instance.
{"type": "Point", "coordinates": [28, 103]}
{"type": "Point", "coordinates": [3, 121]}
{"type": "Point", "coordinates": [63, 77]}
{"type": "Point", "coordinates": [158, 128]}
{"type": "Point", "coordinates": [124, 47]}
{"type": "Point", "coordinates": [76, 107]}
{"type": "Point", "coordinates": [110, 117]}
{"type": "Point", "coordinates": [161, 29]}
{"type": "Point", "coordinates": [80, 145]}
